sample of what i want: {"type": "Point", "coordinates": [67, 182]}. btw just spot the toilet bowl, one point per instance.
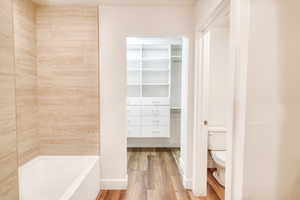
{"type": "Point", "coordinates": [217, 148]}
{"type": "Point", "coordinates": [219, 158]}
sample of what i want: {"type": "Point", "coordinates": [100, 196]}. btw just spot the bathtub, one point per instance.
{"type": "Point", "coordinates": [60, 178]}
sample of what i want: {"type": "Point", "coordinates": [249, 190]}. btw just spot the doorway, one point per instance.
{"type": "Point", "coordinates": [154, 92]}
{"type": "Point", "coordinates": [214, 105]}
{"type": "Point", "coordinates": [157, 70]}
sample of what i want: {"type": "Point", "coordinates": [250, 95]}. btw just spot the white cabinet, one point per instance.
{"type": "Point", "coordinates": [144, 120]}
{"type": "Point", "coordinates": [156, 131]}
{"type": "Point", "coordinates": [155, 120]}
{"type": "Point", "coordinates": [176, 72]}
{"type": "Point", "coordinates": [134, 131]}
{"type": "Point", "coordinates": [148, 121]}
{"type": "Point", "coordinates": [149, 87]}
{"type": "Point", "coordinates": [158, 101]}
{"type": "Point", "coordinates": [156, 111]}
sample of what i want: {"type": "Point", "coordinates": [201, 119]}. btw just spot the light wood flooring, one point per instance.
{"type": "Point", "coordinates": [153, 175]}
{"type": "Point", "coordinates": [217, 187]}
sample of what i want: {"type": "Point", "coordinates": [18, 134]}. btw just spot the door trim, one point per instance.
{"type": "Point", "coordinates": [200, 141]}
{"type": "Point", "coordinates": [240, 25]}
{"type": "Point", "coordinates": [236, 123]}
{"type": "Point", "coordinates": [200, 135]}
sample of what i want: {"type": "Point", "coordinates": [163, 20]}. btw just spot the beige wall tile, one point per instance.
{"type": "Point", "coordinates": [26, 79]}
{"type": "Point", "coordinates": [6, 37]}
{"type": "Point", "coordinates": [8, 141]}
{"type": "Point", "coordinates": [67, 49]}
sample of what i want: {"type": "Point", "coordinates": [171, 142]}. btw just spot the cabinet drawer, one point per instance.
{"type": "Point", "coordinates": [134, 121]}
{"type": "Point", "coordinates": [155, 111]}
{"type": "Point", "coordinates": [155, 132]}
{"type": "Point", "coordinates": [133, 111]}
{"type": "Point", "coordinates": [155, 121]}
{"type": "Point", "coordinates": [134, 131]}
{"type": "Point", "coordinates": [155, 101]}
{"type": "Point", "coordinates": [134, 101]}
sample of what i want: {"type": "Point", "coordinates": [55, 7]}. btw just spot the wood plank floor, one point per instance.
{"type": "Point", "coordinates": [217, 187]}
{"type": "Point", "coordinates": [153, 175]}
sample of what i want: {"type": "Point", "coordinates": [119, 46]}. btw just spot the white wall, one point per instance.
{"type": "Point", "coordinates": [271, 157]}
{"type": "Point", "coordinates": [203, 9]}
{"type": "Point", "coordinates": [117, 23]}
{"type": "Point", "coordinates": [272, 153]}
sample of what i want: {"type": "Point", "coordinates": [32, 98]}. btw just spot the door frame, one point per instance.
{"type": "Point", "coordinates": [185, 162]}
{"type": "Point", "coordinates": [240, 27]}
{"type": "Point", "coordinates": [200, 144]}
{"type": "Point", "coordinates": [200, 150]}
{"type": "Point", "coordinates": [186, 98]}
{"type": "Point", "coordinates": [236, 119]}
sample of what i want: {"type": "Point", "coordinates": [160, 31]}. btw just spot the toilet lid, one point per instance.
{"type": "Point", "coordinates": [219, 157]}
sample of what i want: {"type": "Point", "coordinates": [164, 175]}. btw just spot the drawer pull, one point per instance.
{"type": "Point", "coordinates": [155, 101]}
{"type": "Point", "coordinates": [155, 131]}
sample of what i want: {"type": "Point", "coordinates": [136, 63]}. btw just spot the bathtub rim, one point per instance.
{"type": "Point", "coordinates": [77, 180]}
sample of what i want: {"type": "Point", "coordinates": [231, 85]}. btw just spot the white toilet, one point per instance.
{"type": "Point", "coordinates": [217, 148]}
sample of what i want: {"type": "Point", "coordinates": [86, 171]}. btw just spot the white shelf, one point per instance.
{"type": "Point", "coordinates": [155, 47]}
{"type": "Point", "coordinates": [155, 70]}
{"type": "Point", "coordinates": [155, 58]}
{"type": "Point", "coordinates": [155, 84]}
{"type": "Point", "coordinates": [133, 60]}
{"type": "Point", "coordinates": [149, 84]}
{"type": "Point", "coordinates": [133, 48]}
{"type": "Point", "coordinates": [133, 84]}
{"type": "Point", "coordinates": [134, 69]}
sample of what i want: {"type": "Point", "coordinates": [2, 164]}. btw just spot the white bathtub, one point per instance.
{"type": "Point", "coordinates": [60, 178]}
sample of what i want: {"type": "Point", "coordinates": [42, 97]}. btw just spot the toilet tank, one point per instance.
{"type": "Point", "coordinates": [217, 140]}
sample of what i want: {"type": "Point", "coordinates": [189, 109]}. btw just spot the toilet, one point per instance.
{"type": "Point", "coordinates": [219, 157]}
{"type": "Point", "coordinates": [217, 149]}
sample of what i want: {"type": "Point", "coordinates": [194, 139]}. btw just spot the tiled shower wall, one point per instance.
{"type": "Point", "coordinates": [67, 63]}
{"type": "Point", "coordinates": [8, 137]}
{"type": "Point", "coordinates": [49, 101]}
{"type": "Point", "coordinates": [26, 79]}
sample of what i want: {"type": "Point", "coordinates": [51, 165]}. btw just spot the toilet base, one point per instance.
{"type": "Point", "coordinates": [219, 175]}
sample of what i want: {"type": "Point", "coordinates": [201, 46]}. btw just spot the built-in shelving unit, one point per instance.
{"type": "Point", "coordinates": [176, 69]}
{"type": "Point", "coordinates": [149, 87]}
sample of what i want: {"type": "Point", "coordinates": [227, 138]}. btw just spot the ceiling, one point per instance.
{"type": "Point", "coordinates": [115, 2]}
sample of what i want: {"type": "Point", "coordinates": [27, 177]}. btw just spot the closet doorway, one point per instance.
{"type": "Point", "coordinates": [156, 108]}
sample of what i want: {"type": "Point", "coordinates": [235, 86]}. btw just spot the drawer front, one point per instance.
{"type": "Point", "coordinates": [133, 111]}
{"type": "Point", "coordinates": [133, 101]}
{"type": "Point", "coordinates": [155, 132]}
{"type": "Point", "coordinates": [155, 121]}
{"type": "Point", "coordinates": [134, 121]}
{"type": "Point", "coordinates": [155, 111]}
{"type": "Point", "coordinates": [155, 101]}
{"type": "Point", "coordinates": [134, 131]}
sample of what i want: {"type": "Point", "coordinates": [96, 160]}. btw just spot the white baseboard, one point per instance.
{"type": "Point", "coordinates": [181, 166]}
{"type": "Point", "coordinates": [187, 183]}
{"type": "Point", "coordinates": [113, 184]}
{"type": "Point", "coordinates": [141, 145]}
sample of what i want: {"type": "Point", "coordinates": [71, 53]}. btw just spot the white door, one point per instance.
{"type": "Point", "coordinates": [214, 105]}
